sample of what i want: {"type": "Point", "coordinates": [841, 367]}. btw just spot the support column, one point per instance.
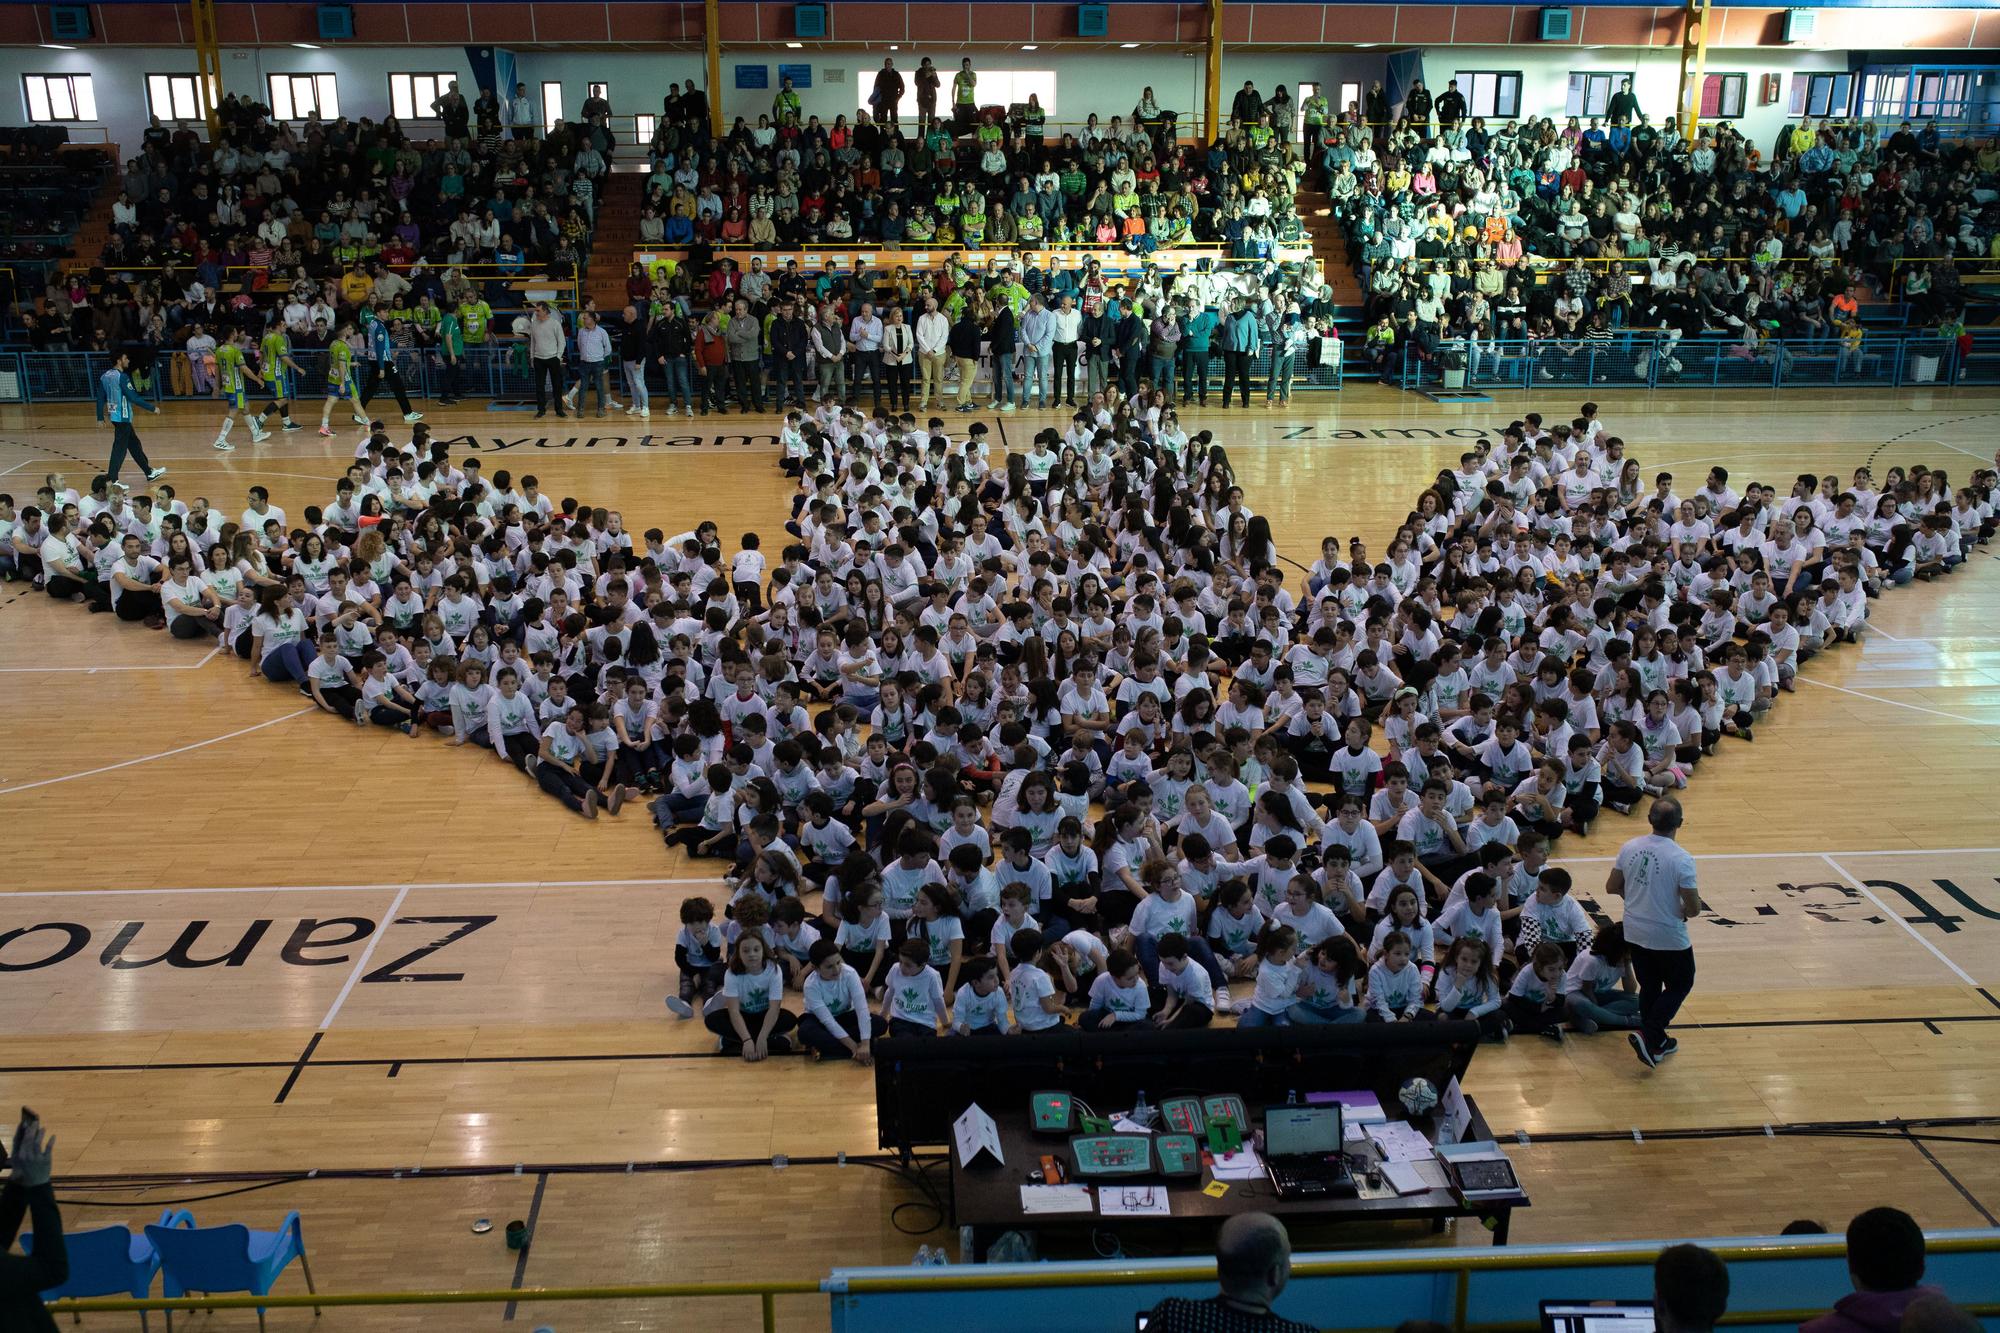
{"type": "Point", "coordinates": [711, 36]}
{"type": "Point", "coordinates": [208, 64]}
{"type": "Point", "coordinates": [1212, 100]}
{"type": "Point", "coordinates": [1694, 65]}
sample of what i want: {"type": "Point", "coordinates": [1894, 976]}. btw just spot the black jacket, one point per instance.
{"type": "Point", "coordinates": [23, 1278]}
{"type": "Point", "coordinates": [964, 338]}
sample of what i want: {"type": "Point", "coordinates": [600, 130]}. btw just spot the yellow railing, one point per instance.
{"type": "Point", "coordinates": [1462, 1265]}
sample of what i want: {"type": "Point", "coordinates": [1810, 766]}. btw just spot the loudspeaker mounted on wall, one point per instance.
{"type": "Point", "coordinates": [69, 23]}
{"type": "Point", "coordinates": [336, 22]}
{"type": "Point", "coordinates": [809, 21]}
{"type": "Point", "coordinates": [1800, 24]}
{"type": "Point", "coordinates": [1093, 21]}
{"type": "Point", "coordinates": [1555, 25]}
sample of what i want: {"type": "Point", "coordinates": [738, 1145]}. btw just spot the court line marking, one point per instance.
{"type": "Point", "coordinates": [375, 888]}
{"type": "Point", "coordinates": [360, 963]}
{"type": "Point", "coordinates": [1899, 919]}
{"type": "Point", "coordinates": [149, 758]}
{"type": "Point", "coordinates": [713, 880]}
{"type": "Point", "coordinates": [95, 670]}
{"type": "Point", "coordinates": [1894, 703]}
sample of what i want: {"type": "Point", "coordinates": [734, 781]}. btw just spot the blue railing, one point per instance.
{"type": "Point", "coordinates": [1646, 358]}
{"type": "Point", "coordinates": [1632, 358]}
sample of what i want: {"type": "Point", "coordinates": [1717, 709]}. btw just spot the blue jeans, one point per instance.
{"type": "Point", "coordinates": [1252, 1017]}
{"type": "Point", "coordinates": [1610, 1008]}
{"type": "Point", "coordinates": [1003, 378]}
{"type": "Point", "coordinates": [1281, 376]}
{"type": "Point", "coordinates": [1148, 950]}
{"type": "Point", "coordinates": [1163, 374]}
{"type": "Point", "coordinates": [1039, 376]}
{"type": "Point", "coordinates": [1311, 1015]}
{"type": "Point", "coordinates": [635, 384]}
{"type": "Point", "coordinates": [680, 382]}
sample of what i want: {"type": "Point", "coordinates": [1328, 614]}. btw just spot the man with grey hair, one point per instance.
{"type": "Point", "coordinates": [1253, 1261]}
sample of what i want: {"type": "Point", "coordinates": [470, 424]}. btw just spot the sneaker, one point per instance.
{"type": "Point", "coordinates": [679, 1008]}
{"type": "Point", "coordinates": [259, 436]}
{"type": "Point", "coordinates": [412, 418]}
{"type": "Point", "coordinates": [672, 411]}
{"type": "Point", "coordinates": [290, 426]}
{"type": "Point", "coordinates": [407, 728]}
{"type": "Point", "coordinates": [1667, 1048]}
{"type": "Point", "coordinates": [1646, 1057]}
{"type": "Point", "coordinates": [617, 406]}
{"type": "Point", "coordinates": [360, 420]}
{"type": "Point", "coordinates": [540, 413]}
{"type": "Point", "coordinates": [1223, 1004]}
{"type": "Point", "coordinates": [1006, 407]}
{"type": "Point", "coordinates": [1553, 1034]}
{"type": "Point", "coordinates": [646, 412]}
{"type": "Point", "coordinates": [326, 431]}
{"type": "Point", "coordinates": [225, 446]}
{"type": "Point", "coordinates": [590, 804]}
{"type": "Point", "coordinates": [614, 800]}
{"type": "Point", "coordinates": [360, 712]}
{"type": "Point", "coordinates": [154, 474]}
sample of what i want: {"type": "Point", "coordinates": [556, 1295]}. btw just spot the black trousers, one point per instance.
{"type": "Point", "coordinates": [899, 385]}
{"type": "Point", "coordinates": [1666, 977]}
{"type": "Point", "coordinates": [548, 372]}
{"type": "Point", "coordinates": [749, 385]}
{"type": "Point", "coordinates": [379, 371]}
{"type": "Point", "coordinates": [1235, 371]}
{"type": "Point", "coordinates": [1064, 389]}
{"type": "Point", "coordinates": [125, 444]}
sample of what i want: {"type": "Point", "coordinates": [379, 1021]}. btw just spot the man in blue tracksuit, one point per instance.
{"type": "Point", "coordinates": [1242, 339]}
{"type": "Point", "coordinates": [380, 355]}
{"type": "Point", "coordinates": [119, 400]}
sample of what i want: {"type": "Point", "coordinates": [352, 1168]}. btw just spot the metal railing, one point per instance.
{"type": "Point", "coordinates": [1647, 358]}
{"type": "Point", "coordinates": [1458, 1267]}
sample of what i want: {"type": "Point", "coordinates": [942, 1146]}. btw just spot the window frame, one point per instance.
{"type": "Point", "coordinates": [441, 82]}
{"type": "Point", "coordinates": [644, 126]}
{"type": "Point", "coordinates": [552, 104]}
{"type": "Point", "coordinates": [1722, 96]}
{"type": "Point", "coordinates": [1589, 76]}
{"type": "Point", "coordinates": [1499, 77]}
{"type": "Point", "coordinates": [172, 112]}
{"type": "Point", "coordinates": [325, 97]}
{"type": "Point", "coordinates": [78, 105]}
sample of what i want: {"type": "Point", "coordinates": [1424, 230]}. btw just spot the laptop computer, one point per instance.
{"type": "Point", "coordinates": [1302, 1152]}
{"type": "Point", "coordinates": [1597, 1317]}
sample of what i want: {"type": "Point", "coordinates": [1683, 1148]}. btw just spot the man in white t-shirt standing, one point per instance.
{"type": "Point", "coordinates": [1655, 876]}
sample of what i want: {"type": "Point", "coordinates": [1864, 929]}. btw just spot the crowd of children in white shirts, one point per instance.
{"type": "Point", "coordinates": [1062, 740]}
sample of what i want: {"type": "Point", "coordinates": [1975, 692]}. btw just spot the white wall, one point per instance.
{"type": "Point", "coordinates": [1106, 83]}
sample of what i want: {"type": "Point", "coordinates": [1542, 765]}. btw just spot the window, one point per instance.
{"type": "Point", "coordinates": [1722, 96]}
{"type": "Point", "coordinates": [1490, 92]}
{"type": "Point", "coordinates": [997, 87]}
{"type": "Point", "coordinates": [1824, 94]}
{"type": "Point", "coordinates": [643, 127]}
{"type": "Point", "coordinates": [1937, 94]}
{"type": "Point", "coordinates": [59, 97]}
{"type": "Point", "coordinates": [1350, 98]}
{"type": "Point", "coordinates": [551, 105]}
{"type": "Point", "coordinates": [173, 96]}
{"type": "Point", "coordinates": [301, 96]}
{"type": "Point", "coordinates": [411, 96]}
{"type": "Point", "coordinates": [1590, 94]}
{"type": "Point", "coordinates": [1884, 94]}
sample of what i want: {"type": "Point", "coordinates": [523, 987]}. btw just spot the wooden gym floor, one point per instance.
{"type": "Point", "coordinates": [411, 960]}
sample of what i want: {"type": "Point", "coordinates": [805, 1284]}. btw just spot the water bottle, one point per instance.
{"type": "Point", "coordinates": [923, 1259]}
{"type": "Point", "coordinates": [1292, 1097]}
{"type": "Point", "coordinates": [1142, 1113]}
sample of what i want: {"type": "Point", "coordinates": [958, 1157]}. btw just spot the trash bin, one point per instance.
{"type": "Point", "coordinates": [1923, 369]}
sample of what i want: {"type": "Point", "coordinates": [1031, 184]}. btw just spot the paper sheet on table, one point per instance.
{"type": "Point", "coordinates": [1400, 1142]}
{"type": "Point", "coordinates": [1416, 1177]}
{"type": "Point", "coordinates": [1133, 1201]}
{"type": "Point", "coordinates": [1125, 1124]}
{"type": "Point", "coordinates": [1055, 1199]}
{"type": "Point", "coordinates": [1243, 1164]}
{"type": "Point", "coordinates": [1353, 1133]}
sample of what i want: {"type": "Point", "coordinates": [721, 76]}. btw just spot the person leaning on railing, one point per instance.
{"type": "Point", "coordinates": [23, 1278]}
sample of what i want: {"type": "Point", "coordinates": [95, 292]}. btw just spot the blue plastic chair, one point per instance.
{"type": "Point", "coordinates": [110, 1261]}
{"type": "Point", "coordinates": [229, 1258]}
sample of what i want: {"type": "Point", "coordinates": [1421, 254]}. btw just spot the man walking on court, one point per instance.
{"type": "Point", "coordinates": [119, 400]}
{"type": "Point", "coordinates": [1654, 874]}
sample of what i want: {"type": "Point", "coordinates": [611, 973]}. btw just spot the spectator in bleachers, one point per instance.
{"type": "Point", "coordinates": [1253, 1262]}
{"type": "Point", "coordinates": [1885, 1261]}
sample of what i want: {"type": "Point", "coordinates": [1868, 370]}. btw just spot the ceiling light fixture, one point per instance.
{"type": "Point", "coordinates": [305, 46]}
{"type": "Point", "coordinates": [56, 46]}
{"type": "Point", "coordinates": [1128, 46]}
{"type": "Point", "coordinates": [794, 46]}
{"type": "Point", "coordinates": [1031, 47]}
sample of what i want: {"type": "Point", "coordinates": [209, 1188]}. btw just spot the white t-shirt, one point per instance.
{"type": "Point", "coordinates": [1656, 869]}
{"type": "Point", "coordinates": [1027, 987]}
